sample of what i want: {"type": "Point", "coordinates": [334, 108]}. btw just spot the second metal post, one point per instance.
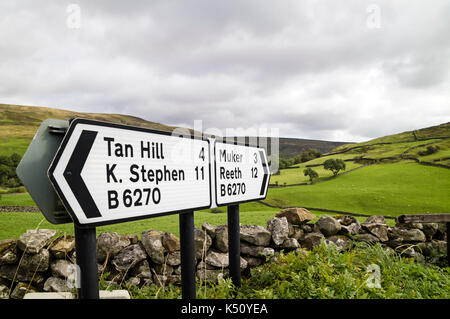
{"type": "Point", "coordinates": [187, 255]}
{"type": "Point", "coordinates": [234, 248]}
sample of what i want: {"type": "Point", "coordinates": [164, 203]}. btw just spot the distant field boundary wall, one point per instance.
{"type": "Point", "coordinates": [386, 143]}
{"type": "Point", "coordinates": [326, 210]}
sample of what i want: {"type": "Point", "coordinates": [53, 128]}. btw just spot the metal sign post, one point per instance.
{"type": "Point", "coordinates": [234, 248]}
{"type": "Point", "coordinates": [187, 251]}
{"type": "Point", "coordinates": [86, 250]}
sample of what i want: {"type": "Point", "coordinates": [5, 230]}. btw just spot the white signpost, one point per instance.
{"type": "Point", "coordinates": [241, 173]}
{"type": "Point", "coordinates": [106, 173]}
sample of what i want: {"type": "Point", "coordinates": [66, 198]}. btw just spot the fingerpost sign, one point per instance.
{"type": "Point", "coordinates": [107, 173]}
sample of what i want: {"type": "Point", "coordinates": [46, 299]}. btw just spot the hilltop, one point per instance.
{"type": "Point", "coordinates": [429, 145]}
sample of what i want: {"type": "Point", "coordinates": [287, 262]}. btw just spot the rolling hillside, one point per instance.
{"type": "Point", "coordinates": [384, 176]}
{"type": "Point", "coordinates": [429, 145]}
{"type": "Point", "coordinates": [18, 125]}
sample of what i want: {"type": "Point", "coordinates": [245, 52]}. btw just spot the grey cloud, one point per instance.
{"type": "Point", "coordinates": [312, 68]}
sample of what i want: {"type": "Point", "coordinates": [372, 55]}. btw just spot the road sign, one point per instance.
{"type": "Point", "coordinates": [107, 173]}
{"type": "Point", "coordinates": [241, 173]}
{"type": "Point", "coordinates": [32, 170]}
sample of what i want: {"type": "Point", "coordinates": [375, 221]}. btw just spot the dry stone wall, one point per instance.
{"type": "Point", "coordinates": [37, 261]}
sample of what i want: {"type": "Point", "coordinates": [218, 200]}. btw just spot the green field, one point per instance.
{"type": "Point", "coordinates": [23, 199]}
{"type": "Point", "coordinates": [296, 176]}
{"type": "Point", "coordinates": [387, 189]}
{"type": "Point", "coordinates": [393, 184]}
{"type": "Point", "coordinates": [12, 225]}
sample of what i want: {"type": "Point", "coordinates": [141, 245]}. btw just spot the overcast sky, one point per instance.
{"type": "Point", "coordinates": [333, 70]}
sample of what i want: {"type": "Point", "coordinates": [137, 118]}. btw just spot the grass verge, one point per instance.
{"type": "Point", "coordinates": [325, 273]}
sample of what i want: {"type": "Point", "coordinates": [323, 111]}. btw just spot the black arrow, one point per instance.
{"type": "Point", "coordinates": [266, 173]}
{"type": "Point", "coordinates": [72, 174]}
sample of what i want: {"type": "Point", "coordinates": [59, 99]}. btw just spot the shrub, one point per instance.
{"type": "Point", "coordinates": [430, 150]}
{"type": "Point", "coordinates": [328, 273]}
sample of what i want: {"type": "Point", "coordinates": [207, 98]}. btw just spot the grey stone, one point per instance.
{"type": "Point", "coordinates": [255, 251]}
{"type": "Point", "coordinates": [441, 233]}
{"type": "Point", "coordinates": [202, 242]}
{"type": "Point", "coordinates": [255, 234]}
{"type": "Point", "coordinates": [108, 245]}
{"type": "Point", "coordinates": [296, 215]}
{"type": "Point", "coordinates": [290, 243]}
{"type": "Point", "coordinates": [299, 233]}
{"type": "Point", "coordinates": [61, 268]}
{"type": "Point", "coordinates": [347, 220]}
{"type": "Point", "coordinates": [311, 240]}
{"type": "Point", "coordinates": [378, 230]}
{"type": "Point", "coordinates": [4, 292]}
{"type": "Point", "coordinates": [409, 252]}
{"type": "Point", "coordinates": [152, 242]}
{"type": "Point", "coordinates": [142, 270]}
{"type": "Point", "coordinates": [170, 242]}
{"type": "Point", "coordinates": [174, 258]}
{"type": "Point", "coordinates": [406, 235]}
{"type": "Point", "coordinates": [328, 225]}
{"type": "Point", "coordinates": [429, 229]}
{"type": "Point", "coordinates": [8, 251]}
{"type": "Point", "coordinates": [217, 259]}
{"type": "Point", "coordinates": [53, 284]}
{"type": "Point", "coordinates": [20, 274]}
{"type": "Point", "coordinates": [210, 230]}
{"type": "Point", "coordinates": [36, 262]}
{"type": "Point", "coordinates": [432, 248]}
{"type": "Point", "coordinates": [352, 229]}
{"type": "Point", "coordinates": [307, 228]}
{"type": "Point", "coordinates": [340, 242]}
{"type": "Point", "coordinates": [62, 246]}
{"type": "Point", "coordinates": [221, 238]}
{"type": "Point", "coordinates": [35, 239]}
{"type": "Point", "coordinates": [279, 228]}
{"type": "Point", "coordinates": [243, 264]}
{"type": "Point", "coordinates": [375, 219]}
{"type": "Point", "coordinates": [367, 238]}
{"type": "Point", "coordinates": [211, 274]}
{"type": "Point", "coordinates": [128, 257]}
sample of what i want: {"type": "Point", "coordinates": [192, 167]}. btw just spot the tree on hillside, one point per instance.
{"type": "Point", "coordinates": [8, 166]}
{"type": "Point", "coordinates": [307, 156]}
{"type": "Point", "coordinates": [334, 165]}
{"type": "Point", "coordinates": [286, 162]}
{"type": "Point", "coordinates": [311, 173]}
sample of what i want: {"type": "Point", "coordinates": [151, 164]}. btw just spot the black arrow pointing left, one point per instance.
{"type": "Point", "coordinates": [72, 174]}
